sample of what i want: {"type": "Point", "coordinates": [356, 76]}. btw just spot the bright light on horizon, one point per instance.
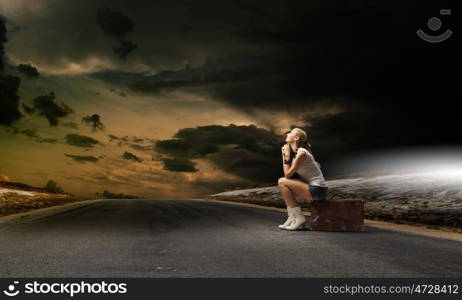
{"type": "Point", "coordinates": [443, 161]}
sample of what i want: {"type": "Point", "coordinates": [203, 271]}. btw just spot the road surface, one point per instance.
{"type": "Point", "coordinates": [200, 238]}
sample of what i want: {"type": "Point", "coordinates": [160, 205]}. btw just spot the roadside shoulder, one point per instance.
{"type": "Point", "coordinates": [42, 212]}
{"type": "Point", "coordinates": [414, 229]}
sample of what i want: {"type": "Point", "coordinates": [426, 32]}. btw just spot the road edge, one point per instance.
{"type": "Point", "coordinates": [414, 229]}
{"type": "Point", "coordinates": [37, 213]}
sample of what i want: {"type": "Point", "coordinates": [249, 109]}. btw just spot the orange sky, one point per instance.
{"type": "Point", "coordinates": [25, 160]}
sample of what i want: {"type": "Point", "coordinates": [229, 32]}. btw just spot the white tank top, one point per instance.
{"type": "Point", "coordinates": [309, 170]}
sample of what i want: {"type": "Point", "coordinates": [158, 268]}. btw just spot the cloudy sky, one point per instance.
{"type": "Point", "coordinates": [187, 98]}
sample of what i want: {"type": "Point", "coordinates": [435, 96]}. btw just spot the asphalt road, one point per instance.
{"type": "Point", "coordinates": [199, 238]}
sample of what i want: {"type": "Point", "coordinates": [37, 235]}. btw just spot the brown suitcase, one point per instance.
{"type": "Point", "coordinates": [337, 215]}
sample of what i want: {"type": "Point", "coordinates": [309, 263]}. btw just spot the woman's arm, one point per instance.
{"type": "Point", "coordinates": [289, 170]}
{"type": "Point", "coordinates": [285, 158]}
{"type": "Point", "coordinates": [285, 167]}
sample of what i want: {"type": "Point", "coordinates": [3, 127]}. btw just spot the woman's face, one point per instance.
{"type": "Point", "coordinates": [291, 137]}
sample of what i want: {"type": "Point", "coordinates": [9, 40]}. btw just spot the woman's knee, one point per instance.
{"type": "Point", "coordinates": [282, 181]}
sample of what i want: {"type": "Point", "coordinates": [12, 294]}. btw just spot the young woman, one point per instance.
{"type": "Point", "coordinates": [297, 158]}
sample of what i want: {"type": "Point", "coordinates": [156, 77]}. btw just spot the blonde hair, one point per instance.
{"type": "Point", "coordinates": [303, 138]}
{"type": "Point", "coordinates": [302, 142]}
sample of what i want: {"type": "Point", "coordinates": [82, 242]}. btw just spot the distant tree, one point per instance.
{"type": "Point", "coordinates": [109, 195]}
{"type": "Point", "coordinates": [53, 187]}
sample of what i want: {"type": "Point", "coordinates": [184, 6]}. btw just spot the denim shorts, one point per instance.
{"type": "Point", "coordinates": [318, 192]}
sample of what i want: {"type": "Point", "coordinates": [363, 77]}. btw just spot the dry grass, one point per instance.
{"type": "Point", "coordinates": [17, 197]}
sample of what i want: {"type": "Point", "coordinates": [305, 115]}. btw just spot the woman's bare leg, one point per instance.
{"type": "Point", "coordinates": [291, 187]}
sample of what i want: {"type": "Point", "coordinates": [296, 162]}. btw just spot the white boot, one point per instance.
{"type": "Point", "coordinates": [299, 219]}
{"type": "Point", "coordinates": [289, 220]}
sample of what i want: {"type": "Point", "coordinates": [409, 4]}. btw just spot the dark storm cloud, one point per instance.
{"type": "Point", "coordinates": [179, 164]}
{"type": "Point", "coordinates": [112, 137]}
{"type": "Point", "coordinates": [185, 148]}
{"type": "Point", "coordinates": [253, 166]}
{"type": "Point", "coordinates": [29, 70]}
{"type": "Point", "coordinates": [93, 93]}
{"type": "Point", "coordinates": [118, 26]}
{"type": "Point", "coordinates": [133, 142]}
{"type": "Point", "coordinates": [121, 140]}
{"type": "Point", "coordinates": [137, 140]}
{"type": "Point", "coordinates": [141, 147]}
{"type": "Point", "coordinates": [361, 55]}
{"type": "Point", "coordinates": [46, 140]}
{"type": "Point", "coordinates": [114, 23]}
{"type": "Point", "coordinates": [3, 40]}
{"type": "Point", "coordinates": [28, 132]}
{"type": "Point", "coordinates": [124, 48]}
{"type": "Point", "coordinates": [82, 159]}
{"type": "Point", "coordinates": [94, 121]}
{"type": "Point", "coordinates": [46, 106]}
{"type": "Point", "coordinates": [120, 93]}
{"type": "Point", "coordinates": [28, 110]}
{"type": "Point", "coordinates": [170, 32]}
{"type": "Point", "coordinates": [131, 156]}
{"type": "Point", "coordinates": [78, 140]}
{"type": "Point", "coordinates": [9, 99]}
{"type": "Point", "coordinates": [32, 133]}
{"type": "Point", "coordinates": [9, 86]}
{"type": "Point", "coordinates": [347, 131]}
{"type": "Point", "coordinates": [72, 125]}
{"type": "Point", "coordinates": [287, 65]}
{"type": "Point", "coordinates": [212, 72]}
{"type": "Point", "coordinates": [247, 151]}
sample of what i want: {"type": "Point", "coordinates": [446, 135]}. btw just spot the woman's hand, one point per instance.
{"type": "Point", "coordinates": [286, 151]}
